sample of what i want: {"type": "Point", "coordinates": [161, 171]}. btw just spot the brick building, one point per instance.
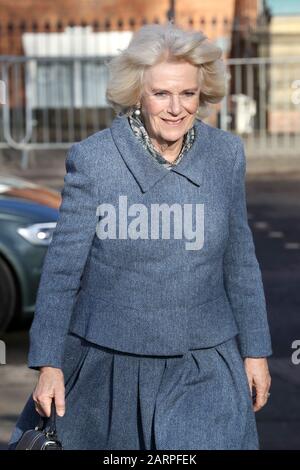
{"type": "Point", "coordinates": [218, 19]}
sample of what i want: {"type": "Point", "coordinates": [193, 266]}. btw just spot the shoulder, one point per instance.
{"type": "Point", "coordinates": [224, 144]}
{"type": "Point", "coordinates": [100, 139]}
{"type": "Point", "coordinates": [88, 152]}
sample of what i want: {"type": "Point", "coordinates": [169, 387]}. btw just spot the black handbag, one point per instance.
{"type": "Point", "coordinates": [43, 436]}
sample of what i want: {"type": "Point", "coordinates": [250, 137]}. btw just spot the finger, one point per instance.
{"type": "Point", "coordinates": [39, 410]}
{"type": "Point", "coordinates": [60, 402]}
{"type": "Point", "coordinates": [37, 407]}
{"type": "Point", "coordinates": [43, 406]}
{"type": "Point", "coordinates": [260, 401]}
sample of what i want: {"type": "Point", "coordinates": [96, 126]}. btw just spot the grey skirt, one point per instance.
{"type": "Point", "coordinates": [121, 401]}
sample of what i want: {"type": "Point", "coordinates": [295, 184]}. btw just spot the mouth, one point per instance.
{"type": "Point", "coordinates": [173, 122]}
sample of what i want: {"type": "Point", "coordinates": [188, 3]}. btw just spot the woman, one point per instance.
{"type": "Point", "coordinates": [151, 331]}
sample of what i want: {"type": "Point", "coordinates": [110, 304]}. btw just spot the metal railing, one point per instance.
{"type": "Point", "coordinates": [52, 102]}
{"type": "Point", "coordinates": [263, 105]}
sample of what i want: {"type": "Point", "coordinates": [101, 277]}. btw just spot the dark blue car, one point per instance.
{"type": "Point", "coordinates": [28, 215]}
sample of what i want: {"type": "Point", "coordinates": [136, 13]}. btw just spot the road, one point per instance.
{"type": "Point", "coordinates": [274, 217]}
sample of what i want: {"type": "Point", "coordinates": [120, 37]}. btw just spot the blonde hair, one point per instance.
{"type": "Point", "coordinates": [154, 43]}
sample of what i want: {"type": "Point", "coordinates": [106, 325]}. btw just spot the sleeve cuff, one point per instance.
{"type": "Point", "coordinates": [256, 343]}
{"type": "Point", "coordinates": [44, 353]}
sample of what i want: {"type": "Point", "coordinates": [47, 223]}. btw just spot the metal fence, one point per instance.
{"type": "Point", "coordinates": [263, 105]}
{"type": "Point", "coordinates": [52, 102]}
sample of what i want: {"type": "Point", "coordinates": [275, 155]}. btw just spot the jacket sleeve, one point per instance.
{"type": "Point", "coordinates": [63, 264]}
{"type": "Point", "coordinates": [242, 275]}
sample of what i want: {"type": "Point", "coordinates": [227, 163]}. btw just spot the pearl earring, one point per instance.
{"type": "Point", "coordinates": [137, 112]}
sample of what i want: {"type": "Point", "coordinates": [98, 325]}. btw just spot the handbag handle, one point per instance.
{"type": "Point", "coordinates": [49, 422]}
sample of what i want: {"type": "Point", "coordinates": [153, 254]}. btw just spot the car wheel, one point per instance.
{"type": "Point", "coordinates": [7, 295]}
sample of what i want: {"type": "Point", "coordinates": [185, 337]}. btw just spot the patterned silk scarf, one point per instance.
{"type": "Point", "coordinates": [142, 135]}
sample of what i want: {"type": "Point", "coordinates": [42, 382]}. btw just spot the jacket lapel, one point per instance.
{"type": "Point", "coordinates": [146, 171]}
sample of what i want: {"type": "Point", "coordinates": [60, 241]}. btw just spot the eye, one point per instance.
{"type": "Point", "coordinates": [160, 93]}
{"type": "Point", "coordinates": [190, 93]}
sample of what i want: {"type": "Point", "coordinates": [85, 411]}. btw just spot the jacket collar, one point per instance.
{"type": "Point", "coordinates": [146, 171]}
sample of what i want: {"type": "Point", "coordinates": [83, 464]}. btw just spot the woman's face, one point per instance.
{"type": "Point", "coordinates": [170, 99]}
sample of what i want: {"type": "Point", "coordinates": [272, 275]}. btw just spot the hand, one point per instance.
{"type": "Point", "coordinates": [50, 385]}
{"type": "Point", "coordinates": [259, 378]}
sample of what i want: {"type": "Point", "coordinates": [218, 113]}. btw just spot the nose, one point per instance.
{"type": "Point", "coordinates": [174, 105]}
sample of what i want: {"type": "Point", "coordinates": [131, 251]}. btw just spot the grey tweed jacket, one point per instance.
{"type": "Point", "coordinates": [148, 260]}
